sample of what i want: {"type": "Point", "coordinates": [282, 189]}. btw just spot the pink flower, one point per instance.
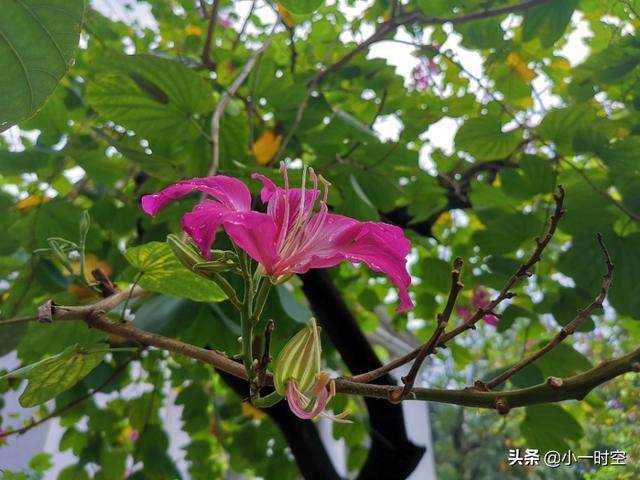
{"type": "Point", "coordinates": [480, 298]}
{"type": "Point", "coordinates": [464, 313]}
{"type": "Point", "coordinates": [424, 73]}
{"type": "Point", "coordinates": [308, 407]}
{"type": "Point", "coordinates": [134, 435]}
{"type": "Point", "coordinates": [225, 21]}
{"type": "Point", "coordinates": [296, 233]}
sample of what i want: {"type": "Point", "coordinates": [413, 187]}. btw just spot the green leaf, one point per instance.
{"type": "Point", "coordinates": [584, 263]}
{"type": "Point", "coordinates": [549, 427]}
{"type": "Point", "coordinates": [301, 7]}
{"type": "Point", "coordinates": [511, 314]}
{"type": "Point", "coordinates": [37, 43]}
{"type": "Point", "coordinates": [482, 34]}
{"type": "Point", "coordinates": [50, 377]}
{"type": "Point", "coordinates": [49, 339]}
{"type": "Point", "coordinates": [483, 138]}
{"type": "Point", "coordinates": [505, 231]}
{"type": "Point", "coordinates": [162, 272]}
{"type": "Point", "coordinates": [156, 97]}
{"type": "Point", "coordinates": [41, 462]}
{"type": "Point", "coordinates": [562, 361]}
{"type": "Point", "coordinates": [534, 176]}
{"type": "Point", "coordinates": [548, 22]}
{"type": "Point", "coordinates": [292, 306]}
{"type": "Point", "coordinates": [562, 125]}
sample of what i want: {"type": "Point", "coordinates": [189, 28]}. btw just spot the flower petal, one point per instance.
{"type": "Point", "coordinates": [326, 239]}
{"type": "Point", "coordinates": [202, 222]}
{"type": "Point", "coordinates": [384, 248]}
{"type": "Point", "coordinates": [304, 408]}
{"type": "Point", "coordinates": [277, 199]}
{"type": "Point", "coordinates": [255, 233]}
{"type": "Point", "coordinates": [229, 191]}
{"type": "Point", "coordinates": [491, 320]}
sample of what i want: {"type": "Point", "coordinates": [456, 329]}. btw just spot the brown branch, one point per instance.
{"type": "Point", "coordinates": [575, 387]}
{"type": "Point", "coordinates": [570, 388]}
{"type": "Point", "coordinates": [429, 347]}
{"type": "Point", "coordinates": [211, 28]}
{"type": "Point", "coordinates": [505, 293]}
{"type": "Point", "coordinates": [73, 403]}
{"type": "Point", "coordinates": [567, 330]}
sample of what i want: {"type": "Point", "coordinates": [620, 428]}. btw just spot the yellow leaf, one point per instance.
{"type": "Point", "coordinates": [91, 262]}
{"type": "Point", "coordinates": [194, 30]}
{"type": "Point", "coordinates": [32, 201]}
{"type": "Point", "coordinates": [266, 147]}
{"type": "Point", "coordinates": [252, 412]}
{"type": "Point", "coordinates": [519, 67]}
{"type": "Point", "coordinates": [286, 16]}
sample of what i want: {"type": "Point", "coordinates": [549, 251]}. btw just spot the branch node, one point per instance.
{"type": "Point", "coordinates": [395, 395]}
{"type": "Point", "coordinates": [635, 366]}
{"type": "Point", "coordinates": [480, 385]}
{"type": "Point", "coordinates": [46, 312]}
{"type": "Point", "coordinates": [502, 406]}
{"type": "Point", "coordinates": [555, 382]}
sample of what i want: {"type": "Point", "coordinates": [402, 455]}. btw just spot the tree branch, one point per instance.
{"type": "Point", "coordinates": [211, 28]}
{"type": "Point", "coordinates": [567, 330]}
{"type": "Point", "coordinates": [575, 387]}
{"type": "Point", "coordinates": [570, 388]}
{"type": "Point", "coordinates": [430, 346]}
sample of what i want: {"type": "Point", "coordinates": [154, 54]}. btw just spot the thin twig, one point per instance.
{"type": "Point", "coordinates": [236, 42]}
{"type": "Point", "coordinates": [226, 98]}
{"type": "Point", "coordinates": [208, 41]}
{"type": "Point", "coordinates": [266, 352]}
{"type": "Point", "coordinates": [567, 330]}
{"type": "Point", "coordinates": [18, 320]}
{"type": "Point", "coordinates": [429, 347]}
{"type": "Point", "coordinates": [523, 271]}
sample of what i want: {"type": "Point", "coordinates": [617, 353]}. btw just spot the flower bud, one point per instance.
{"type": "Point", "coordinates": [187, 255]}
{"type": "Point", "coordinates": [85, 224]}
{"type": "Point", "coordinates": [299, 360]}
{"type": "Point", "coordinates": [205, 268]}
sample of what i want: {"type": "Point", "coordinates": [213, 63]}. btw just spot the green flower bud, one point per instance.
{"type": "Point", "coordinates": [299, 360]}
{"type": "Point", "coordinates": [85, 224]}
{"type": "Point", "coordinates": [187, 255]}
{"type": "Point", "coordinates": [204, 268]}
